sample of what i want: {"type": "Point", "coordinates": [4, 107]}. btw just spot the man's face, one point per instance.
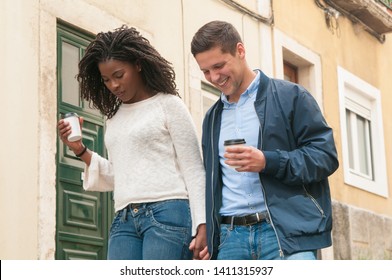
{"type": "Point", "coordinates": [224, 70]}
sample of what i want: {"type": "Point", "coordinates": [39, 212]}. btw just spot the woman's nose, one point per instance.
{"type": "Point", "coordinates": [113, 85]}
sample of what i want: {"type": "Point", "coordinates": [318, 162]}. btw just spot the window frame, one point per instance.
{"type": "Point", "coordinates": [363, 100]}
{"type": "Point", "coordinates": [307, 62]}
{"type": "Point", "coordinates": [290, 71]}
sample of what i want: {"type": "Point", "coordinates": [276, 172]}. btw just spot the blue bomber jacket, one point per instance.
{"type": "Point", "coordinates": [300, 154]}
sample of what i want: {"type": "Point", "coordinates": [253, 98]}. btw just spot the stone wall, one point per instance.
{"type": "Point", "coordinates": [360, 235]}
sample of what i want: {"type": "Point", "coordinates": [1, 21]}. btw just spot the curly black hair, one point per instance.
{"type": "Point", "coordinates": [123, 44]}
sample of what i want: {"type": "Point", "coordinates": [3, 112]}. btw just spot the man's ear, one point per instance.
{"type": "Point", "coordinates": [241, 49]}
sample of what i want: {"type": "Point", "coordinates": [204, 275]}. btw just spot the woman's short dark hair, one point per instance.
{"type": "Point", "coordinates": [128, 45]}
{"type": "Point", "coordinates": [216, 34]}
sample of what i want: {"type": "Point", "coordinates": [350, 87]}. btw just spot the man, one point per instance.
{"type": "Point", "coordinates": [276, 203]}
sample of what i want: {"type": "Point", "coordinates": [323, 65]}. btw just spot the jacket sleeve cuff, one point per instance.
{"type": "Point", "coordinates": [271, 162]}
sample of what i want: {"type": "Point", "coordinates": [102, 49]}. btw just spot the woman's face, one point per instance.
{"type": "Point", "coordinates": [124, 80]}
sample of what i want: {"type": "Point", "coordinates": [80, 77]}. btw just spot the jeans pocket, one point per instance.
{"type": "Point", "coordinates": [116, 222]}
{"type": "Point", "coordinates": [224, 235]}
{"type": "Point", "coordinates": [172, 215]}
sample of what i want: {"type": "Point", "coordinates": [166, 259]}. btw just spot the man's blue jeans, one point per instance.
{"type": "Point", "coordinates": [255, 242]}
{"type": "Point", "coordinates": [152, 231]}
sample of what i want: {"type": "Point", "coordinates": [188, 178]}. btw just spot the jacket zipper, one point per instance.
{"type": "Point", "coordinates": [212, 181]}
{"type": "Point", "coordinates": [314, 201]}
{"type": "Point", "coordinates": [281, 254]}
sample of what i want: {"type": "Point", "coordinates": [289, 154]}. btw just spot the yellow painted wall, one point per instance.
{"type": "Point", "coordinates": [360, 53]}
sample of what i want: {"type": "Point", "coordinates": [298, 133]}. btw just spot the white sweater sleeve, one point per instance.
{"type": "Point", "coordinates": [184, 137]}
{"type": "Point", "coordinates": [99, 175]}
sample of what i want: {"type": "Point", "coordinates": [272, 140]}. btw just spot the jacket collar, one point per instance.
{"type": "Point", "coordinates": [264, 81]}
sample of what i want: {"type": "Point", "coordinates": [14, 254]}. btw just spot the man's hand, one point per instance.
{"type": "Point", "coordinates": [248, 158]}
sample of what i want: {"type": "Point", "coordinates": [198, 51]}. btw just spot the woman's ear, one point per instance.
{"type": "Point", "coordinates": [138, 66]}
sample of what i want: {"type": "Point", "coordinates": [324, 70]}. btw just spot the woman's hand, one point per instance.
{"type": "Point", "coordinates": [64, 129]}
{"type": "Point", "coordinates": [199, 244]}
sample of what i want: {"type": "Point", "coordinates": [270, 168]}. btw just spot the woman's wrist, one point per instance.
{"type": "Point", "coordinates": [80, 151]}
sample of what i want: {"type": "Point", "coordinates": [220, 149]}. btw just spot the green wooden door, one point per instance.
{"type": "Point", "coordinates": [82, 218]}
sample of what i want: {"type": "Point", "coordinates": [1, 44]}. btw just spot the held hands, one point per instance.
{"type": "Point", "coordinates": [199, 244]}
{"type": "Point", "coordinates": [248, 158]}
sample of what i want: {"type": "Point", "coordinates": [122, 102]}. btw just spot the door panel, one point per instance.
{"type": "Point", "coordinates": [83, 218]}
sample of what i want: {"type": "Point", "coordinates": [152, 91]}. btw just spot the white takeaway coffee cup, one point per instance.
{"type": "Point", "coordinates": [232, 142]}
{"type": "Point", "coordinates": [76, 133]}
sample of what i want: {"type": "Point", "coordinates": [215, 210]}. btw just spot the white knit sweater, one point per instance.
{"type": "Point", "coordinates": [154, 155]}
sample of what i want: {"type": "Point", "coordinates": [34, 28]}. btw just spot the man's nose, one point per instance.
{"type": "Point", "coordinates": [214, 75]}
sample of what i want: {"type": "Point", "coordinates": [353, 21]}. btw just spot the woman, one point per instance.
{"type": "Point", "coordinates": [154, 166]}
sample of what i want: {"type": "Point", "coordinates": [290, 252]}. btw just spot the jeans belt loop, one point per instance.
{"type": "Point", "coordinates": [232, 223]}
{"type": "Point", "coordinates": [124, 214]}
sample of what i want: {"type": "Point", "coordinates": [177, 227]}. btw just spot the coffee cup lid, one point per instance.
{"type": "Point", "coordinates": [234, 142]}
{"type": "Point", "coordinates": [70, 114]}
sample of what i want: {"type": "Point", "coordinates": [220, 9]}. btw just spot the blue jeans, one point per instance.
{"type": "Point", "coordinates": [255, 242]}
{"type": "Point", "coordinates": [152, 231]}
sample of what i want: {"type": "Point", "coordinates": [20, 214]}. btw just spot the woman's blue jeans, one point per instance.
{"type": "Point", "coordinates": [152, 231]}
{"type": "Point", "coordinates": [255, 242]}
